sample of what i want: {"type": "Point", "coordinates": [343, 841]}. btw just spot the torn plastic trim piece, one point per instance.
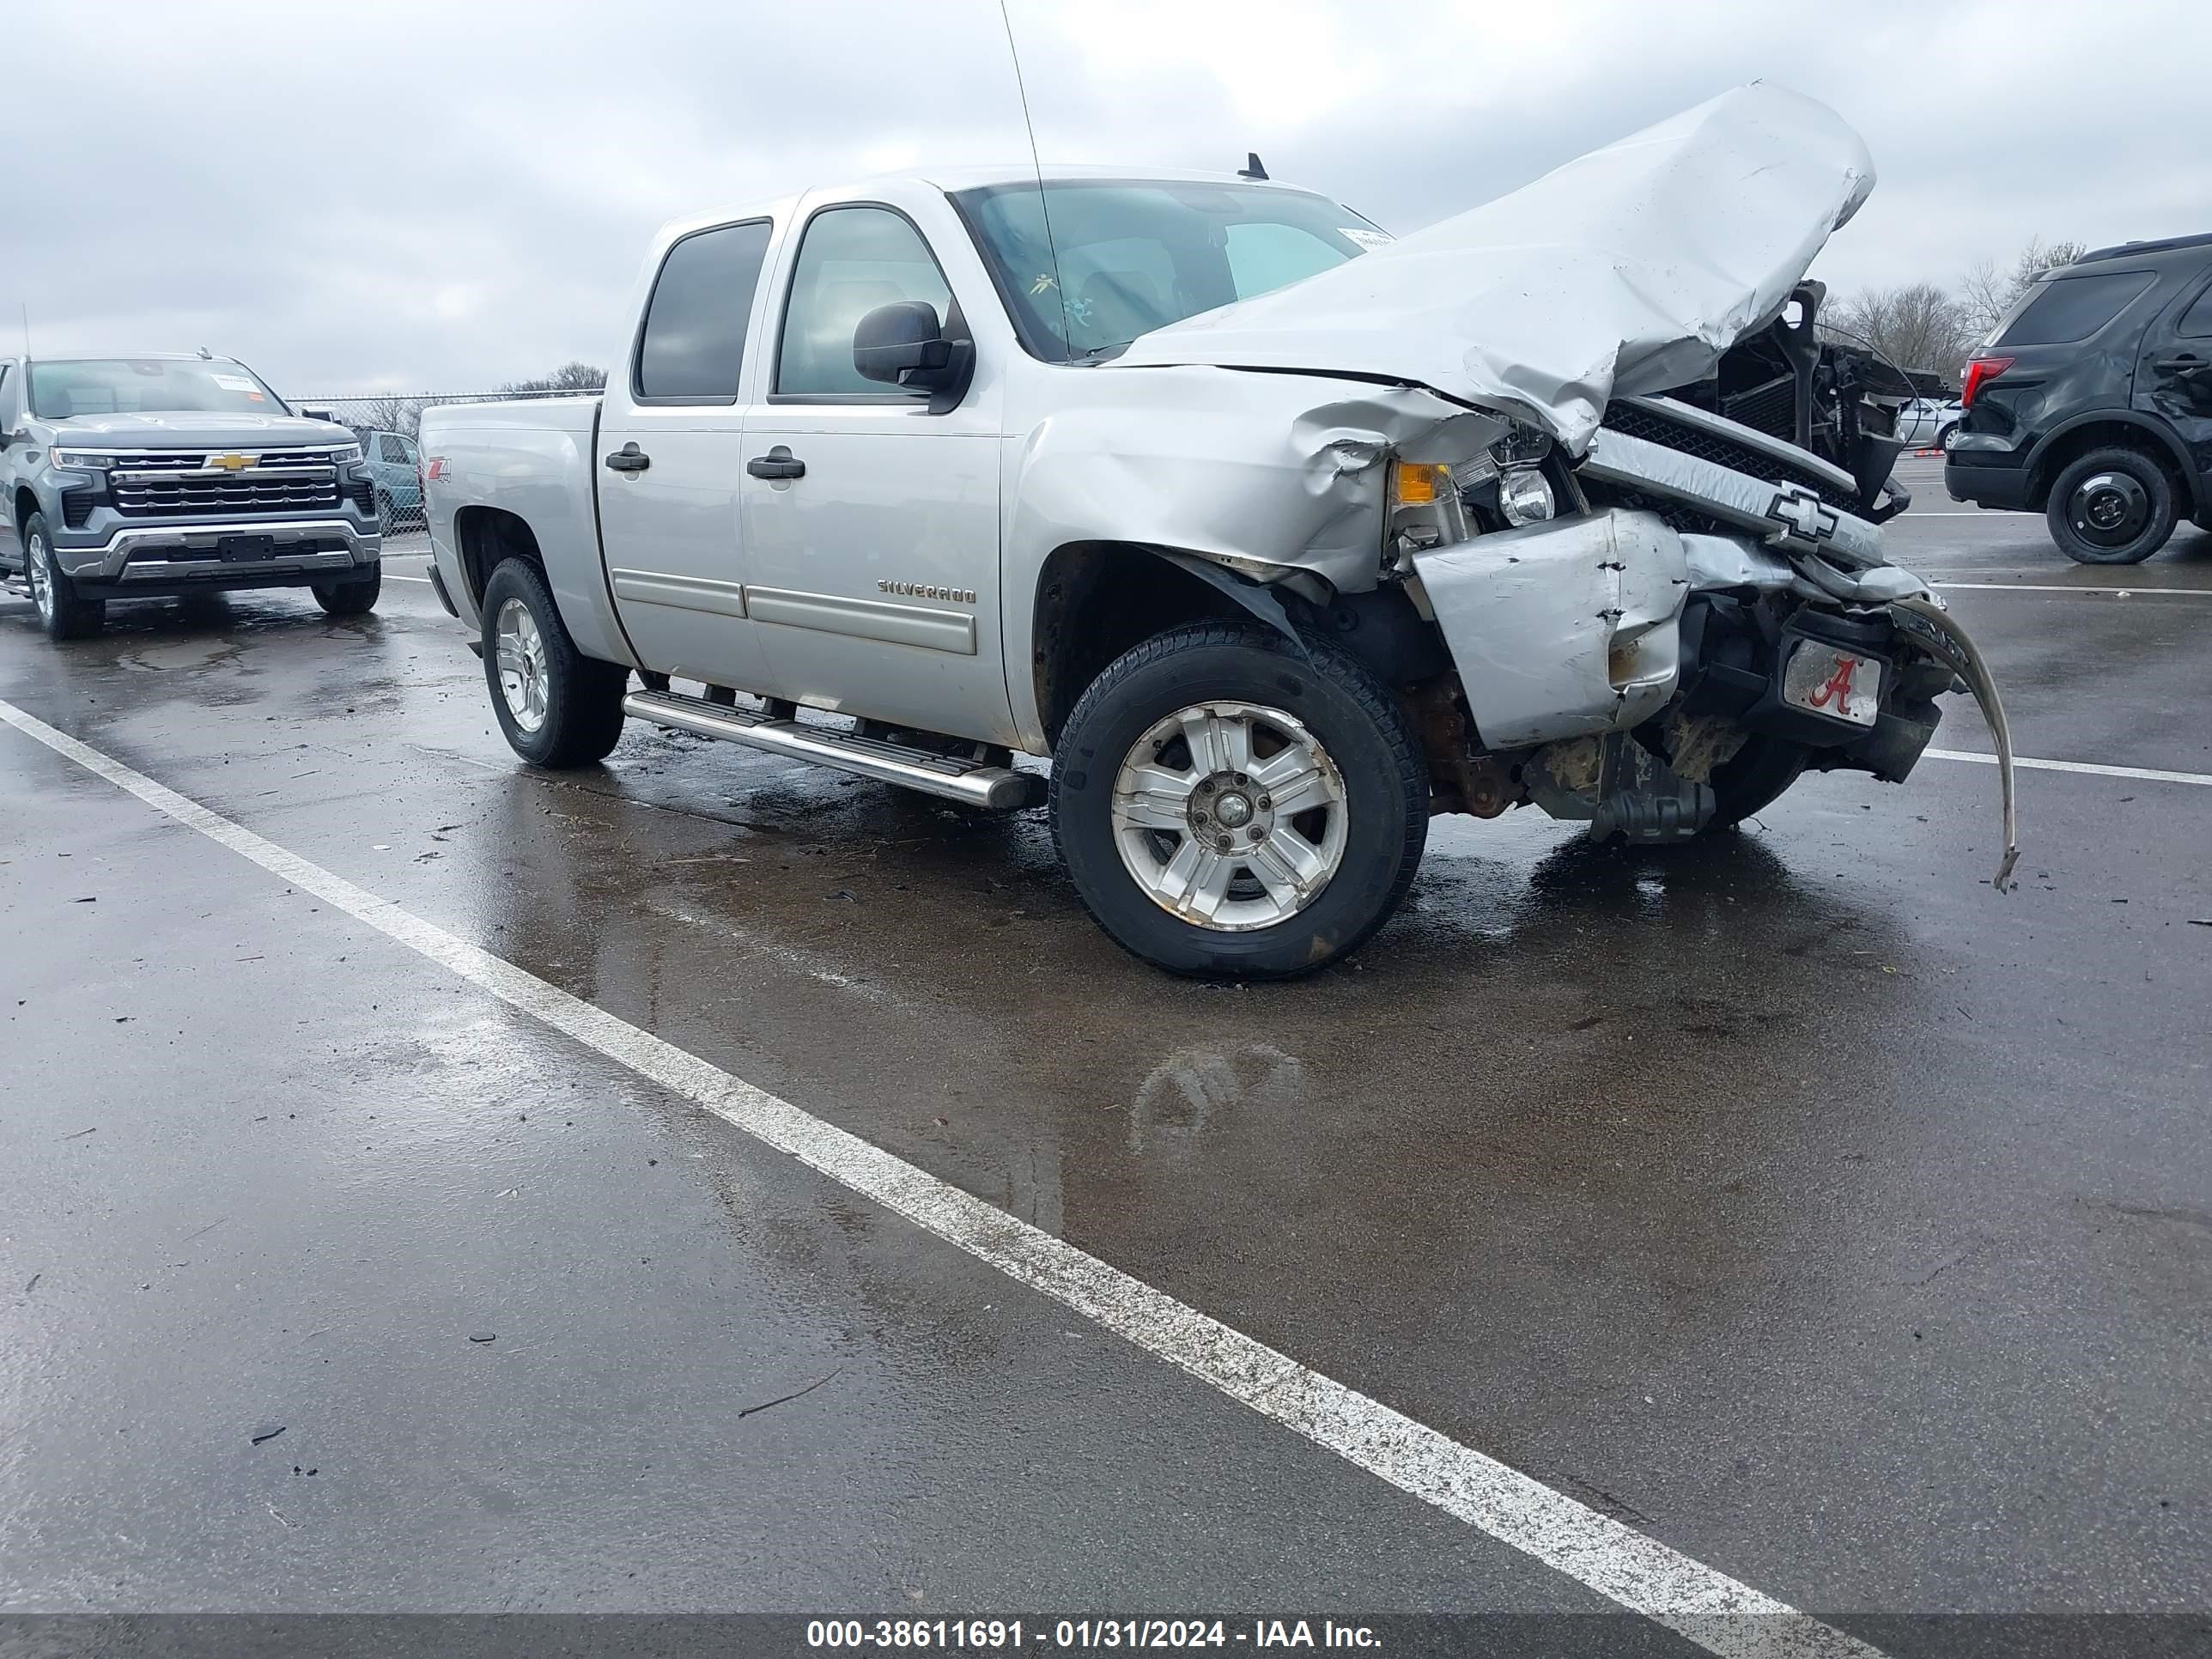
{"type": "Point", "coordinates": [1927, 624]}
{"type": "Point", "coordinates": [1261, 601]}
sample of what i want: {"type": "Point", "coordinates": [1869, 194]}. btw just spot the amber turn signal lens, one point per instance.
{"type": "Point", "coordinates": [1415, 484]}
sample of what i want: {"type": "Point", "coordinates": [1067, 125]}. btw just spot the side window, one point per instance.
{"type": "Point", "coordinates": [694, 338]}
{"type": "Point", "coordinates": [2196, 323]}
{"type": "Point", "coordinates": [852, 260]}
{"type": "Point", "coordinates": [2069, 309]}
{"type": "Point", "coordinates": [7, 409]}
{"type": "Point", "coordinates": [407, 451]}
{"type": "Point", "coordinates": [388, 449]}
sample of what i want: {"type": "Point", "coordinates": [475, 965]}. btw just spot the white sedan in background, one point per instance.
{"type": "Point", "coordinates": [1927, 424]}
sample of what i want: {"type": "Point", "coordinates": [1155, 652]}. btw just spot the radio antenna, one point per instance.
{"type": "Point", "coordinates": [1044, 207]}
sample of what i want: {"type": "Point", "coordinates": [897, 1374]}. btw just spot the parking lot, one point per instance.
{"type": "Point", "coordinates": [1790, 1198]}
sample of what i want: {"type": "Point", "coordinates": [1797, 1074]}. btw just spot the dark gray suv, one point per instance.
{"type": "Point", "coordinates": [2091, 402]}
{"type": "Point", "coordinates": [128, 478]}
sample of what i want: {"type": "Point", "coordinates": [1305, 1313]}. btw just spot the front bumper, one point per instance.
{"type": "Point", "coordinates": [136, 557]}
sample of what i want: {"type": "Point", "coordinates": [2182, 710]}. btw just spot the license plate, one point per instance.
{"type": "Point", "coordinates": [241, 549]}
{"type": "Point", "coordinates": [1841, 684]}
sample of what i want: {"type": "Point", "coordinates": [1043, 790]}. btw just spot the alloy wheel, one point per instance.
{"type": "Point", "coordinates": [1229, 815]}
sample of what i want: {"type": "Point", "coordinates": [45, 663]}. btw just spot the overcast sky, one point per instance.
{"type": "Point", "coordinates": [440, 197]}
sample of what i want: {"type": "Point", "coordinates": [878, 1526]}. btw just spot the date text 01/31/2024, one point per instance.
{"type": "Point", "coordinates": [1081, 1635]}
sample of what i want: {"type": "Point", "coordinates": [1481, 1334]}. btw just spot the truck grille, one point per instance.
{"type": "Point", "coordinates": [195, 493]}
{"type": "Point", "coordinates": [182, 483]}
{"type": "Point", "coordinates": [1637, 420]}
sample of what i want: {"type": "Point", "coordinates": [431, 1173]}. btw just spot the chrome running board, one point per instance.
{"type": "Point", "coordinates": [1000, 787]}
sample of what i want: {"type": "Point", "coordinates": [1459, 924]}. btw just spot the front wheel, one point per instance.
{"type": "Point", "coordinates": [355, 596]}
{"type": "Point", "coordinates": [1944, 439]}
{"type": "Point", "coordinates": [557, 706]}
{"type": "Point", "coordinates": [1228, 807]}
{"type": "Point", "coordinates": [2110, 506]}
{"type": "Point", "coordinates": [61, 612]}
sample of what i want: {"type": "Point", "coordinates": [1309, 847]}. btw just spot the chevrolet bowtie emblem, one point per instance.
{"type": "Point", "coordinates": [231, 463]}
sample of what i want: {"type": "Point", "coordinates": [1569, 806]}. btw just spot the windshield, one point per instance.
{"type": "Point", "coordinates": [146, 386]}
{"type": "Point", "coordinates": [1134, 255]}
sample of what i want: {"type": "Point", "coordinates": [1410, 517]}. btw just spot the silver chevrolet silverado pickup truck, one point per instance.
{"type": "Point", "coordinates": [141, 477]}
{"type": "Point", "coordinates": [1276, 534]}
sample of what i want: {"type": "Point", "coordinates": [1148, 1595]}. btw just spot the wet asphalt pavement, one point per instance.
{"type": "Point", "coordinates": [1791, 1197]}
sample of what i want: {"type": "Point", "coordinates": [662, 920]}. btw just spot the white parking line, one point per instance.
{"type": "Point", "coordinates": [1640, 1573]}
{"type": "Point", "coordinates": [2145, 773]}
{"type": "Point", "coordinates": [2062, 588]}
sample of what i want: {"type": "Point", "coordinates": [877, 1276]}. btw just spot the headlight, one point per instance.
{"type": "Point", "coordinates": [85, 458]}
{"type": "Point", "coordinates": [1524, 495]}
{"type": "Point", "coordinates": [345, 455]}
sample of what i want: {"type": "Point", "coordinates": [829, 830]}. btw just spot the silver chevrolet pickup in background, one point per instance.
{"type": "Point", "coordinates": [1276, 534]}
{"type": "Point", "coordinates": [141, 478]}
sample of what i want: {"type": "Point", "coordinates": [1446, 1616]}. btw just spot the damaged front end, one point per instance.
{"type": "Point", "coordinates": [1650, 540]}
{"type": "Point", "coordinates": [1660, 637]}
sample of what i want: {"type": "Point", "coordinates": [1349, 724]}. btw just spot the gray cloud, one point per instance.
{"type": "Point", "coordinates": [443, 196]}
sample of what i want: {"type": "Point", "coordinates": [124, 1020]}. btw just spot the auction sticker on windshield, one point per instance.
{"type": "Point", "coordinates": [1841, 684]}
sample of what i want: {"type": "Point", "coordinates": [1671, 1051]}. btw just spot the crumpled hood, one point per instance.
{"type": "Point", "coordinates": [1625, 271]}
{"type": "Point", "coordinates": [198, 428]}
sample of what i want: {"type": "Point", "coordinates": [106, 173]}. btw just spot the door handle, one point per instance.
{"type": "Point", "coordinates": [778, 463]}
{"type": "Point", "coordinates": [2180, 364]}
{"type": "Point", "coordinates": [629, 459]}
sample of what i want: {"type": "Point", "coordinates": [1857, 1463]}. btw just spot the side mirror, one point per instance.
{"type": "Point", "coordinates": [317, 414]}
{"type": "Point", "coordinates": [904, 344]}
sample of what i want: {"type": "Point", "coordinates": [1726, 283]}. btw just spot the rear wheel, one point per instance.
{"type": "Point", "coordinates": [61, 612]}
{"type": "Point", "coordinates": [387, 515]}
{"type": "Point", "coordinates": [354, 597]}
{"type": "Point", "coordinates": [1944, 438]}
{"type": "Point", "coordinates": [557, 707]}
{"type": "Point", "coordinates": [2110, 506]}
{"type": "Point", "coordinates": [1229, 807]}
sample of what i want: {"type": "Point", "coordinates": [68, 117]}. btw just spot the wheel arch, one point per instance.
{"type": "Point", "coordinates": [486, 536]}
{"type": "Point", "coordinates": [1096, 600]}
{"type": "Point", "coordinates": [2068, 442]}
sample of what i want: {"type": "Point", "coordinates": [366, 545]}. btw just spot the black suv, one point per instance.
{"type": "Point", "coordinates": [2091, 402]}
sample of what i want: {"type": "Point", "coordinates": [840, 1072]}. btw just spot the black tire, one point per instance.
{"type": "Point", "coordinates": [1356, 721]}
{"type": "Point", "coordinates": [2126, 483]}
{"type": "Point", "coordinates": [583, 718]}
{"type": "Point", "coordinates": [387, 515]}
{"type": "Point", "coordinates": [1943, 438]}
{"type": "Point", "coordinates": [1754, 778]}
{"type": "Point", "coordinates": [354, 596]}
{"type": "Point", "coordinates": [63, 613]}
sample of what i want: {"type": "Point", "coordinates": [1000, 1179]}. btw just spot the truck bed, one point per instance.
{"type": "Point", "coordinates": [533, 459]}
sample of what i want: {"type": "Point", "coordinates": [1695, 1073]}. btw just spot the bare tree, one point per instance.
{"type": "Point", "coordinates": [1987, 291]}
{"type": "Point", "coordinates": [393, 412]}
{"type": "Point", "coordinates": [1918, 326]}
{"type": "Point", "coordinates": [569, 376]}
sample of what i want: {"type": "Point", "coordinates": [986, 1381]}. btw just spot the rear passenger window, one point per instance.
{"type": "Point", "coordinates": [2069, 309]}
{"type": "Point", "coordinates": [695, 324]}
{"type": "Point", "coordinates": [2195, 322]}
{"type": "Point", "coordinates": [853, 260]}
